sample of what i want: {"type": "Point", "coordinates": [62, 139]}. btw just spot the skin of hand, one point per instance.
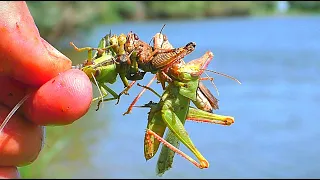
{"type": "Point", "coordinates": [59, 95]}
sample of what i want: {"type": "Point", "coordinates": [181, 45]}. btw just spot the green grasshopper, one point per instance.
{"type": "Point", "coordinates": [201, 101]}
{"type": "Point", "coordinates": [171, 142]}
{"type": "Point", "coordinates": [106, 64]}
{"type": "Point", "coordinates": [173, 109]}
{"type": "Point", "coordinates": [205, 101]}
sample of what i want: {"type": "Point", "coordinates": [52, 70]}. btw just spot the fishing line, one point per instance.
{"type": "Point", "coordinates": [15, 108]}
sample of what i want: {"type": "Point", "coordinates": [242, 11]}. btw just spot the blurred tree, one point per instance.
{"type": "Point", "coordinates": [59, 19]}
{"type": "Point", "coordinates": [305, 5]}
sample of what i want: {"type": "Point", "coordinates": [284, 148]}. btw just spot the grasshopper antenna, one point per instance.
{"type": "Point", "coordinates": [222, 74]}
{"type": "Point", "coordinates": [151, 40]}
{"type": "Point", "coordinates": [160, 33]}
{"type": "Point", "coordinates": [15, 108]}
{"type": "Point", "coordinates": [214, 85]}
{"type": "Point", "coordinates": [162, 28]}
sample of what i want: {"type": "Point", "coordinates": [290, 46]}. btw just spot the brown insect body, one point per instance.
{"type": "Point", "coordinates": [152, 59]}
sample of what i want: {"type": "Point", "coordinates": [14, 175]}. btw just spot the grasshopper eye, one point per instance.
{"type": "Point", "coordinates": [165, 38]}
{"type": "Point", "coordinates": [136, 37]}
{"type": "Point", "coordinates": [97, 73]}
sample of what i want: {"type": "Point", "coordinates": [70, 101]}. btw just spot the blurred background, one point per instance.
{"type": "Point", "coordinates": [272, 47]}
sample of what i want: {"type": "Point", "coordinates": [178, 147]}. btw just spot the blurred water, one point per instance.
{"type": "Point", "coordinates": [276, 127]}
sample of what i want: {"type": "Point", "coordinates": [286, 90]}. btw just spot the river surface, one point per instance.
{"type": "Point", "coordinates": [276, 133]}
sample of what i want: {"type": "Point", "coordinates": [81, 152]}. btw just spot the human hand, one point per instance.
{"type": "Point", "coordinates": [28, 64]}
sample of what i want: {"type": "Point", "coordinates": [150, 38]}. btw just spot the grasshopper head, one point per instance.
{"type": "Point", "coordinates": [197, 66]}
{"type": "Point", "coordinates": [193, 69]}
{"type": "Point", "coordinates": [158, 40]}
{"type": "Point", "coordinates": [122, 39]}
{"type": "Point", "coordinates": [161, 41]}
{"type": "Point", "coordinates": [89, 70]}
{"type": "Point", "coordinates": [114, 40]}
{"type": "Point", "coordinates": [131, 41]}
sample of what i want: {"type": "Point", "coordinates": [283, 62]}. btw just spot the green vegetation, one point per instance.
{"type": "Point", "coordinates": [58, 19]}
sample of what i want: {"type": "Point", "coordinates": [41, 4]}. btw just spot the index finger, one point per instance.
{"type": "Point", "coordinates": [9, 172]}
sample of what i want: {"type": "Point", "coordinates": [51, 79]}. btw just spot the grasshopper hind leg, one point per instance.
{"type": "Point", "coordinates": [89, 49]}
{"type": "Point", "coordinates": [173, 148]}
{"type": "Point", "coordinates": [138, 96]}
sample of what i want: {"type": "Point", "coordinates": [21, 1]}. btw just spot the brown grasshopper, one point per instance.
{"type": "Point", "coordinates": [153, 59]}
